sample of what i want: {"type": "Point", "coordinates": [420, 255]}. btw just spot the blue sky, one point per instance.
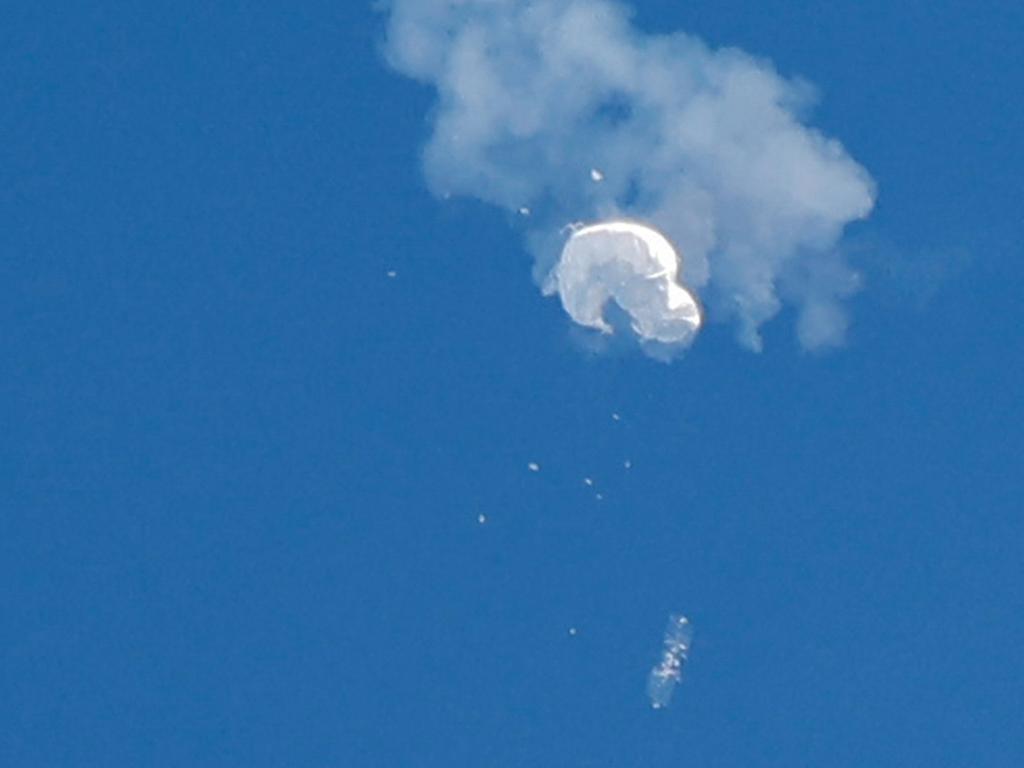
{"type": "Point", "coordinates": [241, 468]}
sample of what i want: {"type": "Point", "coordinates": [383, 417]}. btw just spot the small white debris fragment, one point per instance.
{"type": "Point", "coordinates": [481, 518]}
{"type": "Point", "coordinates": [572, 631]}
{"type": "Point", "coordinates": [392, 273]}
{"type": "Point", "coordinates": [588, 481]}
{"type": "Point", "coordinates": [596, 175]}
{"type": "Point", "coordinates": [524, 211]}
{"type": "Point", "coordinates": [627, 464]}
{"type": "Point", "coordinates": [615, 417]}
{"type": "Point", "coordinates": [533, 466]}
{"type": "Point", "coordinates": [598, 496]}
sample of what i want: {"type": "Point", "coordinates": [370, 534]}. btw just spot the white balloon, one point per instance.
{"type": "Point", "coordinates": [636, 267]}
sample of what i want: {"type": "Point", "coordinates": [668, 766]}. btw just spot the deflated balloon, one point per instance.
{"type": "Point", "coordinates": [634, 266]}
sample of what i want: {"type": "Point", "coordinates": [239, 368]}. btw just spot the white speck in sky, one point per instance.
{"type": "Point", "coordinates": [616, 417]}
{"type": "Point", "coordinates": [572, 631]}
{"type": "Point", "coordinates": [392, 273]}
{"type": "Point", "coordinates": [588, 481]}
{"type": "Point", "coordinates": [596, 175]}
{"type": "Point", "coordinates": [524, 211]}
{"type": "Point", "coordinates": [627, 464]}
{"type": "Point", "coordinates": [481, 518]}
{"type": "Point", "coordinates": [599, 496]}
{"type": "Point", "coordinates": [533, 466]}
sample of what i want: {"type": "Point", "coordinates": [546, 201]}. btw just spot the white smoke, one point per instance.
{"type": "Point", "coordinates": [705, 145]}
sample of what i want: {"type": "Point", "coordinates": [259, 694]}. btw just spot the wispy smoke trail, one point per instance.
{"type": "Point", "coordinates": [708, 146]}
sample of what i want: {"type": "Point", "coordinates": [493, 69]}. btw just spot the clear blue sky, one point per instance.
{"type": "Point", "coordinates": [241, 468]}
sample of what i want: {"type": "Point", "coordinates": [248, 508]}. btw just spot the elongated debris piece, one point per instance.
{"type": "Point", "coordinates": [664, 677]}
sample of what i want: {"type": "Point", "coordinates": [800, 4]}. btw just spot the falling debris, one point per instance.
{"type": "Point", "coordinates": [627, 464]}
{"type": "Point", "coordinates": [588, 481]}
{"type": "Point", "coordinates": [524, 211]}
{"type": "Point", "coordinates": [533, 466]}
{"type": "Point", "coordinates": [596, 175]}
{"type": "Point", "coordinates": [572, 631]}
{"type": "Point", "coordinates": [616, 417]}
{"type": "Point", "coordinates": [599, 496]}
{"type": "Point", "coordinates": [481, 518]}
{"type": "Point", "coordinates": [666, 675]}
{"type": "Point", "coordinates": [392, 273]}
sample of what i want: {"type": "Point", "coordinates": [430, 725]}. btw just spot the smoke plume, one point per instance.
{"type": "Point", "coordinates": [562, 110]}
